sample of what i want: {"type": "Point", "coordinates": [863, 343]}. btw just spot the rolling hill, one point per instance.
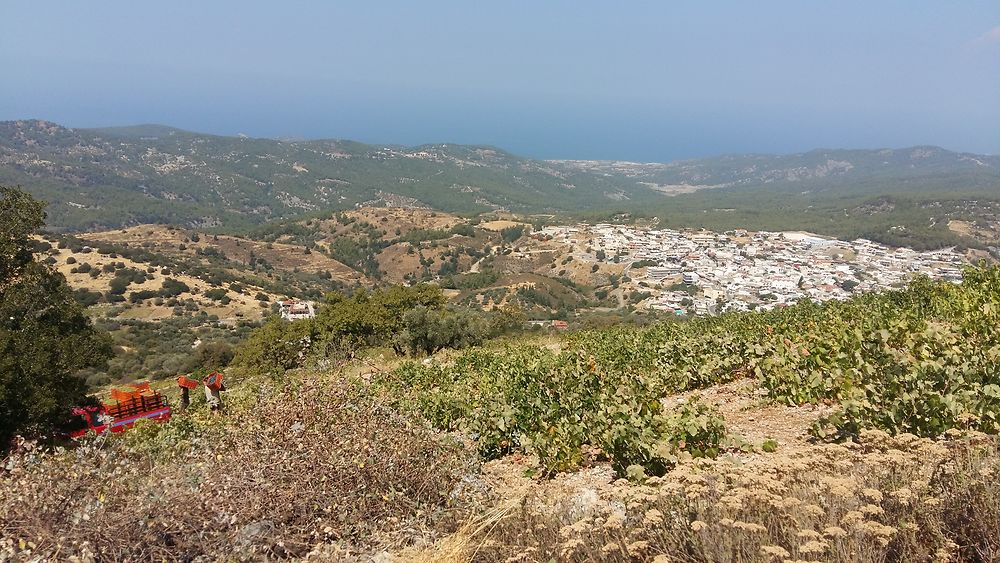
{"type": "Point", "coordinates": [119, 176]}
{"type": "Point", "coordinates": [112, 177]}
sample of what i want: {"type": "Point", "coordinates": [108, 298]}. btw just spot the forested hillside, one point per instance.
{"type": "Point", "coordinates": [110, 177]}
{"type": "Point", "coordinates": [100, 178]}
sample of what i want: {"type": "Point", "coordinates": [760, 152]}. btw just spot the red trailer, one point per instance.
{"type": "Point", "coordinates": [126, 408]}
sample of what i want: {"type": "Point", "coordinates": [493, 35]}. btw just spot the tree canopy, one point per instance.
{"type": "Point", "coordinates": [45, 337]}
{"type": "Point", "coordinates": [344, 323]}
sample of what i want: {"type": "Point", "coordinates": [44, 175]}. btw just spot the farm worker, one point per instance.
{"type": "Point", "coordinates": [213, 398]}
{"type": "Point", "coordinates": [213, 387]}
{"type": "Point", "coordinates": [186, 384]}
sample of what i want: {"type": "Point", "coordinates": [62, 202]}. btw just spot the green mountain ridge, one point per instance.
{"type": "Point", "coordinates": [138, 131]}
{"type": "Point", "coordinates": [109, 177]}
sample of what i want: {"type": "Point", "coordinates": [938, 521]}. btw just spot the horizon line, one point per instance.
{"type": "Point", "coordinates": [296, 139]}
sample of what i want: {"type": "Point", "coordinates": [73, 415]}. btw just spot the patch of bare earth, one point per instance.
{"type": "Point", "coordinates": [500, 225]}
{"type": "Point", "coordinates": [571, 495]}
{"type": "Point", "coordinates": [749, 415]}
{"type": "Point", "coordinates": [988, 233]}
{"type": "Point", "coordinates": [284, 257]}
{"type": "Point", "coordinates": [398, 260]}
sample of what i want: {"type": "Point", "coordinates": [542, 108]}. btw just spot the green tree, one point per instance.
{"type": "Point", "coordinates": [510, 234]}
{"type": "Point", "coordinates": [214, 355]}
{"type": "Point", "coordinates": [372, 317]}
{"type": "Point", "coordinates": [429, 330]}
{"type": "Point", "coordinates": [45, 337]}
{"type": "Point", "coordinates": [277, 346]}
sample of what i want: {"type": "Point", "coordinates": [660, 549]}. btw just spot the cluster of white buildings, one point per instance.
{"type": "Point", "coordinates": [294, 310]}
{"type": "Point", "coordinates": [698, 272]}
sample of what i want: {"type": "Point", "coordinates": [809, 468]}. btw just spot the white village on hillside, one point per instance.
{"type": "Point", "coordinates": [705, 273]}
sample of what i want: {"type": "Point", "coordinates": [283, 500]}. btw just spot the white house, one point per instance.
{"type": "Point", "coordinates": [293, 310]}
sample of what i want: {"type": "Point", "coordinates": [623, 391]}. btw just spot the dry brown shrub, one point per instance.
{"type": "Point", "coordinates": [321, 464]}
{"type": "Point", "coordinates": [885, 499]}
{"type": "Point", "coordinates": [462, 545]}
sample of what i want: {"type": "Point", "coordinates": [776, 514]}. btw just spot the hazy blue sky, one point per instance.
{"type": "Point", "coordinates": [648, 81]}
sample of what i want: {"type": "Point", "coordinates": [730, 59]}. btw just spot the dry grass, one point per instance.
{"type": "Point", "coordinates": [884, 499]}
{"type": "Point", "coordinates": [464, 544]}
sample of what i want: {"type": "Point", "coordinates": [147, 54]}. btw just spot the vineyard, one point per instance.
{"type": "Point", "coordinates": [920, 360]}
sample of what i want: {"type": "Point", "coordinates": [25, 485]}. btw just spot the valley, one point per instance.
{"type": "Point", "coordinates": [161, 290]}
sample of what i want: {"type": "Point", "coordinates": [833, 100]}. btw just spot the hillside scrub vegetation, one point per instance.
{"type": "Point", "coordinates": [604, 444]}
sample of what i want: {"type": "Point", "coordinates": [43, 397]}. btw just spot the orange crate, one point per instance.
{"type": "Point", "coordinates": [187, 382]}
{"type": "Point", "coordinates": [214, 381]}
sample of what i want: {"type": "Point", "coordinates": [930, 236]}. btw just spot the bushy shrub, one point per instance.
{"type": "Point", "coordinates": [217, 294]}
{"type": "Point", "coordinates": [142, 295]}
{"type": "Point", "coordinates": [429, 330]}
{"type": "Point", "coordinates": [173, 288]}
{"type": "Point", "coordinates": [86, 298]}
